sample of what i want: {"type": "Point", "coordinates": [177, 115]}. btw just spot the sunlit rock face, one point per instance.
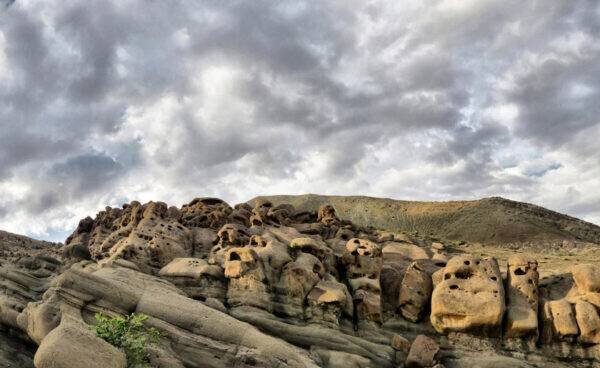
{"type": "Point", "coordinates": [470, 298]}
{"type": "Point", "coordinates": [264, 285]}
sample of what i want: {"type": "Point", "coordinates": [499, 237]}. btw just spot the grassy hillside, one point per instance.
{"type": "Point", "coordinates": [489, 221]}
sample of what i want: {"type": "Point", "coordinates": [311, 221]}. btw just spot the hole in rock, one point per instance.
{"type": "Point", "coordinates": [463, 275]}
{"type": "Point", "coordinates": [520, 272]}
{"type": "Point", "coordinates": [234, 257]}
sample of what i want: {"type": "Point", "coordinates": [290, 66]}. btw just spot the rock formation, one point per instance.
{"type": "Point", "coordinates": [268, 286]}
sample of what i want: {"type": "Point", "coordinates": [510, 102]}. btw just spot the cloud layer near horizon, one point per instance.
{"type": "Point", "coordinates": [103, 102]}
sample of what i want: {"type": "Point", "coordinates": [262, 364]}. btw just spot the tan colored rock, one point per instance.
{"type": "Point", "coordinates": [588, 322]}
{"type": "Point", "coordinates": [327, 301]}
{"type": "Point", "coordinates": [586, 277]}
{"type": "Point", "coordinates": [327, 215]}
{"type": "Point", "coordinates": [233, 235]}
{"type": "Point", "coordinates": [563, 319]}
{"type": "Point", "coordinates": [438, 246]}
{"type": "Point", "coordinates": [193, 268]}
{"type": "Point", "coordinates": [298, 278]}
{"type": "Point", "coordinates": [362, 258]}
{"type": "Point", "coordinates": [415, 292]}
{"type": "Point", "coordinates": [400, 343]}
{"type": "Point", "coordinates": [309, 245]}
{"type": "Point", "coordinates": [423, 353]}
{"type": "Point", "coordinates": [470, 298]}
{"type": "Point", "coordinates": [437, 277]}
{"type": "Point", "coordinates": [247, 280]}
{"type": "Point", "coordinates": [73, 345]}
{"type": "Point", "coordinates": [405, 250]}
{"type": "Point", "coordinates": [197, 278]}
{"type": "Point", "coordinates": [522, 297]}
{"type": "Point", "coordinates": [205, 212]}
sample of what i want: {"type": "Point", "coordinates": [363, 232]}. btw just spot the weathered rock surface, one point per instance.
{"type": "Point", "coordinates": [522, 297]}
{"type": "Point", "coordinates": [268, 286]}
{"type": "Point", "coordinates": [470, 298]}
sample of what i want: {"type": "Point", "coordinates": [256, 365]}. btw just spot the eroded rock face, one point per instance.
{"type": "Point", "coordinates": [415, 293]}
{"type": "Point", "coordinates": [563, 319]}
{"type": "Point", "coordinates": [320, 291]}
{"type": "Point", "coordinates": [423, 353]}
{"type": "Point", "coordinates": [522, 297]}
{"type": "Point", "coordinates": [247, 280]}
{"type": "Point", "coordinates": [362, 260]}
{"type": "Point", "coordinates": [470, 298]}
{"type": "Point", "coordinates": [197, 278]}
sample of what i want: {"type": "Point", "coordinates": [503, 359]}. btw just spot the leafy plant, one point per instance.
{"type": "Point", "coordinates": [129, 334]}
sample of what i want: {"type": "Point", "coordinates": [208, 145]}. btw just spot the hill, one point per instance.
{"type": "Point", "coordinates": [492, 220]}
{"type": "Point", "coordinates": [14, 246]}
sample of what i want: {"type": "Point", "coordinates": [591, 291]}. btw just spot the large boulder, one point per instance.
{"type": "Point", "coordinates": [588, 322]}
{"type": "Point", "coordinates": [415, 292]}
{"type": "Point", "coordinates": [423, 353]}
{"type": "Point", "coordinates": [586, 277]}
{"type": "Point", "coordinates": [470, 298]}
{"type": "Point", "coordinates": [73, 345]}
{"type": "Point", "coordinates": [563, 319]}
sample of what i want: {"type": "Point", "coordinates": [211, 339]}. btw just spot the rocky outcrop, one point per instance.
{"type": "Point", "coordinates": [522, 297]}
{"type": "Point", "coordinates": [470, 298]}
{"type": "Point", "coordinates": [269, 286]}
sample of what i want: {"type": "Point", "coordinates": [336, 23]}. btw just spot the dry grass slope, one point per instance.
{"type": "Point", "coordinates": [492, 220]}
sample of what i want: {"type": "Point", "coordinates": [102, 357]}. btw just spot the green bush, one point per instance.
{"type": "Point", "coordinates": [129, 334]}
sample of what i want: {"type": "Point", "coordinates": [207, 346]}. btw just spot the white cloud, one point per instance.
{"type": "Point", "coordinates": [407, 100]}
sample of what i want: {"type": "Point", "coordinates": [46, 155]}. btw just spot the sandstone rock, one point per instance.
{"type": "Point", "coordinates": [423, 352]}
{"type": "Point", "coordinates": [470, 298]}
{"type": "Point", "coordinates": [587, 277]}
{"type": "Point", "coordinates": [327, 301]}
{"type": "Point", "coordinates": [438, 246]}
{"type": "Point", "coordinates": [362, 258]}
{"type": "Point", "coordinates": [247, 280]}
{"type": "Point", "coordinates": [196, 278]}
{"type": "Point", "coordinates": [400, 343]}
{"type": "Point", "coordinates": [73, 345]}
{"type": "Point", "coordinates": [205, 212]}
{"type": "Point", "coordinates": [415, 293]}
{"type": "Point", "coordinates": [588, 322]}
{"type": "Point", "coordinates": [297, 280]}
{"type": "Point", "coordinates": [563, 319]}
{"type": "Point", "coordinates": [406, 250]}
{"type": "Point", "coordinates": [340, 359]}
{"type": "Point", "coordinates": [522, 297]}
{"type": "Point", "coordinates": [327, 215]}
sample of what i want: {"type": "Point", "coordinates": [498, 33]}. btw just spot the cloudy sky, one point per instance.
{"type": "Point", "coordinates": [103, 102]}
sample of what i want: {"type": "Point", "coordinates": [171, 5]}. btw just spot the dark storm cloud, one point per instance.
{"type": "Point", "coordinates": [106, 101]}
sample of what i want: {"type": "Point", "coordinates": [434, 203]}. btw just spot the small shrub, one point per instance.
{"type": "Point", "coordinates": [128, 334]}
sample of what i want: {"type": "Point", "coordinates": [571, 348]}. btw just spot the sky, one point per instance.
{"type": "Point", "coordinates": [103, 102]}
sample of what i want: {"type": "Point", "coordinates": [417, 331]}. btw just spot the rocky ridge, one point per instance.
{"type": "Point", "coordinates": [267, 285]}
